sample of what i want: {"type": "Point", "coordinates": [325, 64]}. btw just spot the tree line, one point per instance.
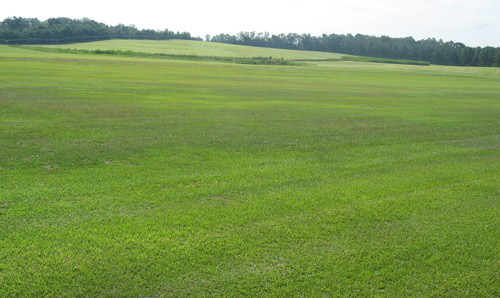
{"type": "Point", "coordinates": [17, 30]}
{"type": "Point", "coordinates": [429, 50]}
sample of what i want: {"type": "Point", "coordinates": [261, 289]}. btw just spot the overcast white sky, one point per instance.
{"type": "Point", "coordinates": [473, 22]}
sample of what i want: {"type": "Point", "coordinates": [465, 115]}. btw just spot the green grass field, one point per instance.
{"type": "Point", "coordinates": [199, 48]}
{"type": "Point", "coordinates": [135, 177]}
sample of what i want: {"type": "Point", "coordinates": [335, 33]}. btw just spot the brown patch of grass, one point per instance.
{"type": "Point", "coordinates": [51, 167]}
{"type": "Point", "coordinates": [3, 205]}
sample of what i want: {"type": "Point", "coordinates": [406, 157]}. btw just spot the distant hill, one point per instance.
{"type": "Point", "coordinates": [18, 30]}
{"type": "Point", "coordinates": [198, 48]}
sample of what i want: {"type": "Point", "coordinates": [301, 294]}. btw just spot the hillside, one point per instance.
{"type": "Point", "coordinates": [63, 30]}
{"type": "Point", "coordinates": [200, 48]}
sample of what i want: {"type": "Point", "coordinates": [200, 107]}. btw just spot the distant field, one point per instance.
{"type": "Point", "coordinates": [141, 177]}
{"type": "Point", "coordinates": [199, 48]}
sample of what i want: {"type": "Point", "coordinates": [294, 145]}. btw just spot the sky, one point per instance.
{"type": "Point", "coordinates": [473, 22]}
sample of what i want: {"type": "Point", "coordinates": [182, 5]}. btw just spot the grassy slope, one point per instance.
{"type": "Point", "coordinates": [136, 177]}
{"type": "Point", "coordinates": [199, 48]}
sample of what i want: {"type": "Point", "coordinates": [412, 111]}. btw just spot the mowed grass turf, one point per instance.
{"type": "Point", "coordinates": [157, 178]}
